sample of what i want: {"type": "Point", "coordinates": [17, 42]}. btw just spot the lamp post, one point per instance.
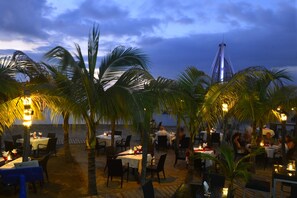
{"type": "Point", "coordinates": [225, 110]}
{"type": "Point", "coordinates": [27, 122]}
{"type": "Point", "coordinates": [283, 120]}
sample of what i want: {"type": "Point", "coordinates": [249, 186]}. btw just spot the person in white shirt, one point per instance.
{"type": "Point", "coordinates": [162, 132]}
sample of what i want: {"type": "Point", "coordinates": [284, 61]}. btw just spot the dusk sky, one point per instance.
{"type": "Point", "coordinates": [174, 34]}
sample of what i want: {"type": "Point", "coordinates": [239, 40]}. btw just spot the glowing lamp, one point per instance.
{"type": "Point", "coordinates": [225, 192]}
{"type": "Point", "coordinates": [283, 117]}
{"type": "Point", "coordinates": [225, 107]}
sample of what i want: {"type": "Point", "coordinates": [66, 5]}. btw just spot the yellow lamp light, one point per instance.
{"type": "Point", "coordinates": [225, 107]}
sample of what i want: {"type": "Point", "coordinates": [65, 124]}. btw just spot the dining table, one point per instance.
{"type": "Point", "coordinates": [205, 150]}
{"type": "Point", "coordinates": [10, 164]}
{"type": "Point", "coordinates": [34, 142]}
{"type": "Point", "coordinates": [271, 149]}
{"type": "Point", "coordinates": [134, 159]}
{"type": "Point", "coordinates": [281, 173]}
{"type": "Point", "coordinates": [107, 138]}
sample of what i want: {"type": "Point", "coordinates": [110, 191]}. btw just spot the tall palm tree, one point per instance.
{"type": "Point", "coordinates": [88, 93]}
{"type": "Point", "coordinates": [9, 94]}
{"type": "Point", "coordinates": [156, 94]}
{"type": "Point", "coordinates": [193, 85]}
{"type": "Point", "coordinates": [250, 95]}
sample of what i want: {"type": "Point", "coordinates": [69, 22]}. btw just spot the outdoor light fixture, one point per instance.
{"type": "Point", "coordinates": [27, 119]}
{"type": "Point", "coordinates": [225, 107]}
{"type": "Point", "coordinates": [283, 117]}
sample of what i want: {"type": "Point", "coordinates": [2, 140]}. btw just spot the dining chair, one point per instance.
{"type": "Point", "coordinates": [43, 163]}
{"type": "Point", "coordinates": [115, 168]}
{"type": "Point", "coordinates": [162, 142]}
{"type": "Point", "coordinates": [50, 147]}
{"type": "Point", "coordinates": [180, 154]}
{"type": "Point", "coordinates": [100, 145]}
{"type": "Point", "coordinates": [110, 154]}
{"type": "Point", "coordinates": [19, 146]}
{"type": "Point", "coordinates": [124, 143]}
{"type": "Point", "coordinates": [199, 165]}
{"type": "Point", "coordinates": [158, 168]}
{"type": "Point", "coordinates": [51, 135]}
{"type": "Point", "coordinates": [118, 133]}
{"type": "Point", "coordinates": [215, 138]}
{"type": "Point", "coordinates": [185, 142]}
{"type": "Point", "coordinates": [148, 190]}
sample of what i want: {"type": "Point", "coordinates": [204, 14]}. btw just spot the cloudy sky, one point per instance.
{"type": "Point", "coordinates": [174, 34]}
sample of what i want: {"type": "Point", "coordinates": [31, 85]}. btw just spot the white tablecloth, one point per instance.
{"type": "Point", "coordinates": [135, 161]}
{"type": "Point", "coordinates": [107, 138]}
{"type": "Point", "coordinates": [270, 150]}
{"type": "Point", "coordinates": [11, 163]}
{"type": "Point", "coordinates": [211, 152]}
{"type": "Point", "coordinates": [35, 142]}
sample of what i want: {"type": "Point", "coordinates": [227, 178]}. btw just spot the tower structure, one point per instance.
{"type": "Point", "coordinates": [222, 70]}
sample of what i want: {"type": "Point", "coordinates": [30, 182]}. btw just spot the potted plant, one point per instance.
{"type": "Point", "coordinates": [232, 170]}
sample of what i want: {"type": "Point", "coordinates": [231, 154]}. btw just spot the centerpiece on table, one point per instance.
{"type": "Point", "coordinates": [137, 149]}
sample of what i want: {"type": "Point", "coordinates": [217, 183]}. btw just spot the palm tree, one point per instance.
{"type": "Point", "coordinates": [233, 170]}
{"type": "Point", "coordinates": [9, 94]}
{"type": "Point", "coordinates": [87, 95]}
{"type": "Point", "coordinates": [250, 95]}
{"type": "Point", "coordinates": [193, 86]}
{"type": "Point", "coordinates": [155, 95]}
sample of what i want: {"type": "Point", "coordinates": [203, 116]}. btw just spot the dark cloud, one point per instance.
{"type": "Point", "coordinates": [23, 18]}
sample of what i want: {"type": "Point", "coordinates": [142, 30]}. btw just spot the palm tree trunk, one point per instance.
{"type": "Point", "coordinates": [145, 136]}
{"type": "Point", "coordinates": [91, 143]}
{"type": "Point", "coordinates": [254, 134]}
{"type": "Point", "coordinates": [67, 152]}
{"type": "Point", "coordinates": [177, 132]}
{"type": "Point", "coordinates": [92, 185]}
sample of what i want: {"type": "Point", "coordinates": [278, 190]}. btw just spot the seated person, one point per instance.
{"type": "Point", "coordinates": [268, 139]}
{"type": "Point", "coordinates": [289, 143]}
{"type": "Point", "coordinates": [236, 144]}
{"type": "Point", "coordinates": [162, 132]}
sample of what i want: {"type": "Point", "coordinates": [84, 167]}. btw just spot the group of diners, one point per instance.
{"type": "Point", "coordinates": [242, 143]}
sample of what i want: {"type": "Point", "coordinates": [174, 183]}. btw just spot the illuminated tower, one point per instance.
{"type": "Point", "coordinates": [222, 69]}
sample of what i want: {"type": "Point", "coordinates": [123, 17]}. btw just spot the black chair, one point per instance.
{"type": "Point", "coordinates": [199, 165]}
{"type": "Point", "coordinates": [43, 163]}
{"type": "Point", "coordinates": [148, 190]}
{"type": "Point", "coordinates": [115, 168]}
{"type": "Point", "coordinates": [50, 147]}
{"type": "Point", "coordinates": [15, 137]}
{"type": "Point", "coordinates": [185, 142]}
{"type": "Point", "coordinates": [199, 138]}
{"type": "Point", "coordinates": [124, 143]}
{"type": "Point", "coordinates": [214, 180]}
{"type": "Point", "coordinates": [215, 138]}
{"type": "Point", "coordinates": [158, 168]}
{"type": "Point", "coordinates": [118, 133]}
{"type": "Point", "coordinates": [162, 142]}
{"type": "Point", "coordinates": [9, 146]}
{"type": "Point", "coordinates": [110, 154]}
{"type": "Point", "coordinates": [100, 145]}
{"type": "Point", "coordinates": [17, 145]}
{"type": "Point", "coordinates": [257, 185]}
{"type": "Point", "coordinates": [180, 154]}
{"type": "Point", "coordinates": [51, 135]}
